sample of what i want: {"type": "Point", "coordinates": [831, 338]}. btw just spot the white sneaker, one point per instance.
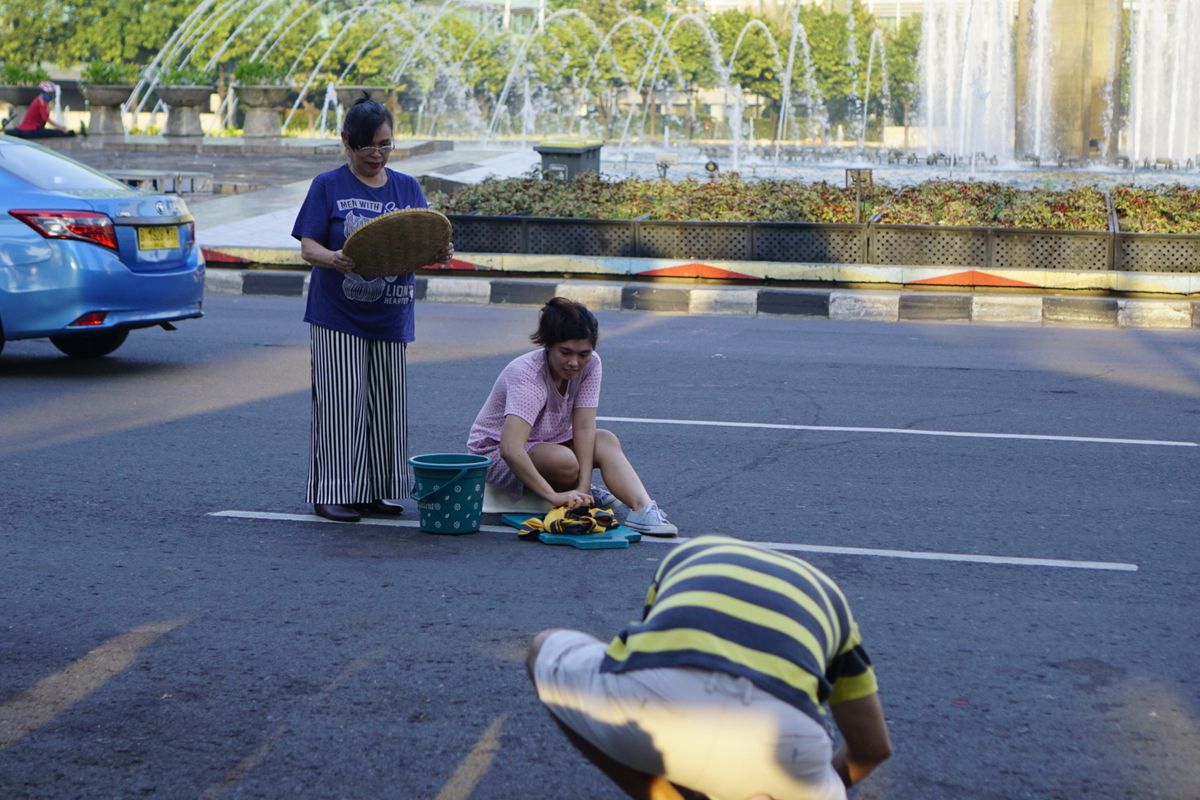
{"type": "Point", "coordinates": [651, 521]}
{"type": "Point", "coordinates": [603, 498]}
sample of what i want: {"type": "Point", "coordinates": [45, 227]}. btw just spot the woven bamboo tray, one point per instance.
{"type": "Point", "coordinates": [398, 242]}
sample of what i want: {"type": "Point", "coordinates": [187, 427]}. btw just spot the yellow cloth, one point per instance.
{"type": "Point", "coordinates": [574, 521]}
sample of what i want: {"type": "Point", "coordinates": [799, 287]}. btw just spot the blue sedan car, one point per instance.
{"type": "Point", "coordinates": [84, 259]}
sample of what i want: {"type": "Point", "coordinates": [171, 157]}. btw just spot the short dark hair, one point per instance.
{"type": "Point", "coordinates": [562, 320]}
{"type": "Point", "coordinates": [363, 119]}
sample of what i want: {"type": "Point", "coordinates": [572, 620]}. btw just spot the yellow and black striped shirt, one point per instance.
{"type": "Point", "coordinates": [722, 604]}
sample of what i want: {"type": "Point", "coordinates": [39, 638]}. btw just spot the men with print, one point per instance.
{"type": "Point", "coordinates": [359, 329]}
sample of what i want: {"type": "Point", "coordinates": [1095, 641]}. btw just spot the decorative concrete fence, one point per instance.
{"type": "Point", "coordinates": [1157, 252]}
{"type": "Point", "coordinates": [816, 243]}
{"type": "Point", "coordinates": [728, 241]}
{"type": "Point", "coordinates": [990, 248]}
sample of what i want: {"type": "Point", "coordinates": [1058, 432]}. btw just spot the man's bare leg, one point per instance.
{"type": "Point", "coordinates": [637, 785]}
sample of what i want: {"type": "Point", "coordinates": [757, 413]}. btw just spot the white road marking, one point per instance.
{"type": "Point", "coordinates": [924, 555]}
{"type": "Point", "coordinates": [387, 523]}
{"type": "Point", "coordinates": [915, 555]}
{"type": "Point", "coordinates": [906, 431]}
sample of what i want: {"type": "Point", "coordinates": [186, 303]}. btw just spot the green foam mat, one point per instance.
{"type": "Point", "coordinates": [613, 539]}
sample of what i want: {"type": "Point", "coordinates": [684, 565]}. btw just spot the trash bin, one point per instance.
{"type": "Point", "coordinates": [566, 158]}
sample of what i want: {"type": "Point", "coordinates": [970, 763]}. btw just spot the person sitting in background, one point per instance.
{"type": "Point", "coordinates": [538, 425]}
{"type": "Point", "coordinates": [33, 126]}
{"type": "Point", "coordinates": [719, 690]}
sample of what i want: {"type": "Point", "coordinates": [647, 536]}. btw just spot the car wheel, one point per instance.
{"type": "Point", "coordinates": [90, 345]}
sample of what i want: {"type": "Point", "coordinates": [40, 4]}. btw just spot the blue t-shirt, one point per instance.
{"type": "Point", "coordinates": [338, 204]}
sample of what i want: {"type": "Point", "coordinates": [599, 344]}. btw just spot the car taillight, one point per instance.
{"type": "Point", "coordinates": [89, 319]}
{"type": "Point", "coordinates": [189, 232]}
{"type": "Point", "coordinates": [87, 226]}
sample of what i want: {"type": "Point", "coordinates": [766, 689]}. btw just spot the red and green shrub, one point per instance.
{"type": "Point", "coordinates": [1166, 209]}
{"type": "Point", "coordinates": [1161, 209]}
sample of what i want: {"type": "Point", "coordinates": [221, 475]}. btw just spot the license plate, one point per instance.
{"type": "Point", "coordinates": [160, 237]}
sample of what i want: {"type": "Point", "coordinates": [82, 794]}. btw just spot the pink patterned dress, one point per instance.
{"type": "Point", "coordinates": [526, 390]}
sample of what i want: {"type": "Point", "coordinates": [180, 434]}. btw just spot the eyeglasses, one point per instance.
{"type": "Point", "coordinates": [370, 150]}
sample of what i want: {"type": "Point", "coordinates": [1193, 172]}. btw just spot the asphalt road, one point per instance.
{"type": "Point", "coordinates": [148, 648]}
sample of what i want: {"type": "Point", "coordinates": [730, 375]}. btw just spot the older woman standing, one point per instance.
{"type": "Point", "coordinates": [359, 329]}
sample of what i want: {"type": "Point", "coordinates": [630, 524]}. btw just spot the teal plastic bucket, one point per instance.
{"type": "Point", "coordinates": [449, 491]}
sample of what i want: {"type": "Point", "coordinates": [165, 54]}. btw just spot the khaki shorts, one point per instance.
{"type": "Point", "coordinates": [707, 731]}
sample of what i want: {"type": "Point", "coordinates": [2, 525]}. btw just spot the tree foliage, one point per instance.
{"type": "Point", "coordinates": [756, 65]}
{"type": "Point", "coordinates": [79, 31]}
{"type": "Point", "coordinates": [588, 57]}
{"type": "Point", "coordinates": [903, 46]}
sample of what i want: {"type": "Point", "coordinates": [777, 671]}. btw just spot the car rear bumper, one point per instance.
{"type": "Point", "coordinates": [75, 278]}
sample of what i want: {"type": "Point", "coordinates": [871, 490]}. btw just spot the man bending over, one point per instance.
{"type": "Point", "coordinates": [719, 691]}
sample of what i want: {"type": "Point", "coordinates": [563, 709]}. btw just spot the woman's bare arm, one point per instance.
{"type": "Point", "coordinates": [513, 437]}
{"type": "Point", "coordinates": [319, 255]}
{"type": "Point", "coordinates": [583, 423]}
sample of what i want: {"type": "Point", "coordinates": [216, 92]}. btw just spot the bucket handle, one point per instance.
{"type": "Point", "coordinates": [421, 498]}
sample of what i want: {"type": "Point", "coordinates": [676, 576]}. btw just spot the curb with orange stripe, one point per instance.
{"type": "Point", "coordinates": [835, 303]}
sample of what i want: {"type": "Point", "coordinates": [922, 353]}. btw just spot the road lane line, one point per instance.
{"type": "Point", "coordinates": [1034, 437]}
{"type": "Point", "coordinates": [49, 697]}
{"type": "Point", "coordinates": [929, 555]}
{"type": "Point", "coordinates": [385, 523]}
{"type": "Point", "coordinates": [243, 767]}
{"type": "Point", "coordinates": [916, 555]}
{"type": "Point", "coordinates": [476, 764]}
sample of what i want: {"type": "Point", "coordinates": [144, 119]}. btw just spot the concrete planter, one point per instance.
{"type": "Point", "coordinates": [18, 99]}
{"type": "Point", "coordinates": [348, 95]}
{"type": "Point", "coordinates": [184, 104]}
{"type": "Point", "coordinates": [263, 106]}
{"type": "Point", "coordinates": [106, 94]}
{"type": "Point", "coordinates": [104, 107]}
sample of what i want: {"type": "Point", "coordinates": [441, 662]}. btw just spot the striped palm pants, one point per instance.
{"type": "Point", "coordinates": [359, 446]}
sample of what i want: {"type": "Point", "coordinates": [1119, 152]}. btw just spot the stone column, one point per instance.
{"type": "Point", "coordinates": [1085, 39]}
{"type": "Point", "coordinates": [263, 106]}
{"type": "Point", "coordinates": [104, 109]}
{"type": "Point", "coordinates": [184, 104]}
